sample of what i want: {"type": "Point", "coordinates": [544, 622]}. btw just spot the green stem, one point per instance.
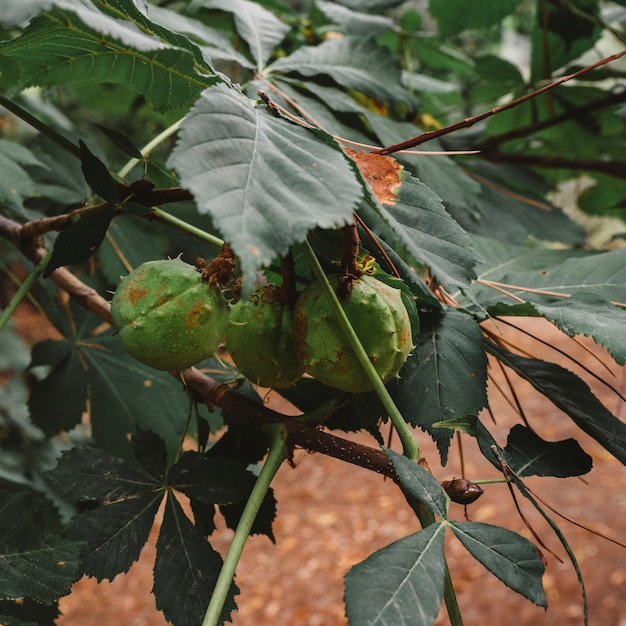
{"type": "Point", "coordinates": [171, 220]}
{"type": "Point", "coordinates": [151, 145]}
{"type": "Point", "coordinates": [409, 445]}
{"type": "Point", "coordinates": [44, 129]}
{"type": "Point", "coordinates": [277, 454]}
{"type": "Point", "coordinates": [23, 290]}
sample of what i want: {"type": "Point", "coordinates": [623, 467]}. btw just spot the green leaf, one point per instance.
{"type": "Point", "coordinates": [97, 175]}
{"type": "Point", "coordinates": [260, 178]}
{"type": "Point", "coordinates": [77, 42]}
{"type": "Point", "coordinates": [430, 235]}
{"type": "Point", "coordinates": [487, 445]}
{"type": "Point", "coordinates": [355, 22]}
{"type": "Point", "coordinates": [566, 272]}
{"type": "Point", "coordinates": [214, 43]}
{"type": "Point", "coordinates": [78, 241]}
{"type": "Point", "coordinates": [15, 182]}
{"type": "Point", "coordinates": [592, 316]}
{"type": "Point", "coordinates": [447, 379]}
{"type": "Point", "coordinates": [400, 584]}
{"type": "Point", "coordinates": [149, 450]}
{"type": "Point", "coordinates": [370, 5]}
{"type": "Point", "coordinates": [186, 570]}
{"type": "Point", "coordinates": [114, 534]}
{"type": "Point", "coordinates": [572, 395]}
{"type": "Point", "coordinates": [126, 394]}
{"type": "Point", "coordinates": [456, 17]}
{"type": "Point", "coordinates": [527, 454]}
{"type": "Point", "coordinates": [33, 562]}
{"type": "Point", "coordinates": [122, 142]}
{"type": "Point", "coordinates": [418, 482]}
{"type": "Point", "coordinates": [57, 402]}
{"type": "Point", "coordinates": [259, 28]}
{"type": "Point", "coordinates": [213, 480]}
{"type": "Point", "coordinates": [90, 474]}
{"type": "Point", "coordinates": [353, 62]}
{"type": "Point", "coordinates": [507, 555]}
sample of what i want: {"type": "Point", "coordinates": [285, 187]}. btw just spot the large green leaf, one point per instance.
{"type": "Point", "coordinates": [186, 570]}
{"type": "Point", "coordinates": [33, 562]}
{"type": "Point", "coordinates": [507, 555]}
{"type": "Point", "coordinates": [264, 181]}
{"type": "Point", "coordinates": [259, 28]}
{"type": "Point", "coordinates": [353, 62]}
{"type": "Point", "coordinates": [77, 42]}
{"type": "Point", "coordinates": [447, 379]}
{"type": "Point", "coordinates": [572, 395]}
{"type": "Point", "coordinates": [399, 584]}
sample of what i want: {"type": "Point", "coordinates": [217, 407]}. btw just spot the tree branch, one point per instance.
{"type": "Point", "coordinates": [470, 121]}
{"type": "Point", "coordinates": [300, 434]}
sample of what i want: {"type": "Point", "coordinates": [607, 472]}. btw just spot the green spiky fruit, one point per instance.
{"type": "Point", "coordinates": [167, 316]}
{"type": "Point", "coordinates": [260, 339]}
{"type": "Point", "coordinates": [379, 319]}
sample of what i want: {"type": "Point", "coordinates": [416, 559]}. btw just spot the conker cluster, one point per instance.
{"type": "Point", "coordinates": [169, 317]}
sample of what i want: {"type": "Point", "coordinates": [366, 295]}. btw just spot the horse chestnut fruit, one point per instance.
{"type": "Point", "coordinates": [379, 319]}
{"type": "Point", "coordinates": [260, 339]}
{"type": "Point", "coordinates": [167, 316]}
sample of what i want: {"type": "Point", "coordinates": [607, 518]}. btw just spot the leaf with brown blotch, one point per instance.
{"type": "Point", "coordinates": [382, 173]}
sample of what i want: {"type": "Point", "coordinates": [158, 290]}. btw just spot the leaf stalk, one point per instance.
{"type": "Point", "coordinates": [278, 452]}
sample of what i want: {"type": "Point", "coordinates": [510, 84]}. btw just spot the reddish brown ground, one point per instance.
{"type": "Point", "coordinates": [331, 516]}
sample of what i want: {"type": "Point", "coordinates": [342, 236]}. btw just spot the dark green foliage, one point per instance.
{"type": "Point", "coordinates": [245, 109]}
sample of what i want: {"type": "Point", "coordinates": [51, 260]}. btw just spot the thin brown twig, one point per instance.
{"type": "Point", "coordinates": [470, 121]}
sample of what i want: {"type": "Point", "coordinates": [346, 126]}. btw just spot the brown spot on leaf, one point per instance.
{"type": "Point", "coordinates": [381, 172]}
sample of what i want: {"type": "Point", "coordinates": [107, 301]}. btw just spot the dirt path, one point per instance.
{"type": "Point", "coordinates": [331, 516]}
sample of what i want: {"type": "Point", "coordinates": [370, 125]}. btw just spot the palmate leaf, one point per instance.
{"type": "Point", "coordinates": [186, 570]}
{"type": "Point", "coordinates": [509, 556]}
{"type": "Point", "coordinates": [258, 27]}
{"type": "Point", "coordinates": [353, 62]}
{"type": "Point", "coordinates": [114, 533]}
{"type": "Point", "coordinates": [264, 181]}
{"type": "Point", "coordinates": [75, 41]}
{"type": "Point", "coordinates": [33, 562]}
{"type": "Point", "coordinates": [448, 378]}
{"type": "Point", "coordinates": [399, 584]}
{"type": "Point", "coordinates": [572, 395]}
